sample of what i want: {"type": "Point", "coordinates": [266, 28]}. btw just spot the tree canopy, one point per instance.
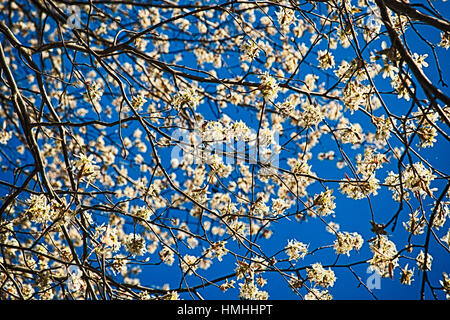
{"type": "Point", "coordinates": [238, 149]}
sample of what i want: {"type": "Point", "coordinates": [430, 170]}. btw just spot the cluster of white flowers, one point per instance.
{"type": "Point", "coordinates": [326, 59]}
{"type": "Point", "coordinates": [244, 270]}
{"type": "Point", "coordinates": [86, 167]}
{"type": "Point", "coordinates": [312, 115]}
{"type": "Point", "coordinates": [373, 25]}
{"type": "Point", "coordinates": [142, 212]}
{"type": "Point", "coordinates": [321, 276]}
{"type": "Point", "coordinates": [237, 229]}
{"type": "Point", "coordinates": [212, 131]}
{"type": "Point", "coordinates": [259, 209]}
{"type": "Point", "coordinates": [206, 56]}
{"type": "Point", "coordinates": [269, 86]}
{"type": "Point", "coordinates": [187, 97]}
{"type": "Point", "coordinates": [419, 60]}
{"type": "Point", "coordinates": [216, 131]}
{"type": "Point", "coordinates": [324, 203]}
{"type": "Point", "coordinates": [384, 127]}
{"type": "Point", "coordinates": [250, 50]}
{"type": "Point", "coordinates": [295, 283]}
{"type": "Point", "coordinates": [227, 285]}
{"type": "Point", "coordinates": [5, 136]}
{"type": "Point", "coordinates": [346, 242]}
{"type": "Point", "coordinates": [140, 43]}
{"type": "Point", "coordinates": [217, 165]}
{"type": "Point", "coordinates": [445, 40]}
{"type": "Point", "coordinates": [389, 70]}
{"type": "Point", "coordinates": [286, 17]}
{"type": "Point", "coordinates": [300, 167]}
{"type": "Point", "coordinates": [333, 227]}
{"type": "Point", "coordinates": [266, 137]}
{"type": "Point", "coordinates": [384, 259]}
{"type": "Point", "coordinates": [360, 189]}
{"type": "Point", "coordinates": [415, 225]}
{"type": "Point", "coordinates": [402, 86]}
{"type": "Point", "coordinates": [393, 183]}
{"type": "Point", "coordinates": [138, 102]}
{"type": "Point", "coordinates": [94, 92]}
{"type": "Point", "coordinates": [370, 163]}
{"type": "Point", "coordinates": [316, 294]}
{"type": "Point", "coordinates": [222, 202]}
{"type": "Point", "coordinates": [240, 131]}
{"type": "Point", "coordinates": [427, 131]}
{"type": "Point", "coordinates": [329, 155]}
{"type": "Point", "coordinates": [216, 250]}
{"type": "Point", "coordinates": [296, 249]}
{"type": "Point", "coordinates": [422, 263]}
{"type": "Point", "coordinates": [446, 238]}
{"type": "Point", "coordinates": [135, 244]}
{"type": "Point", "coordinates": [189, 264]}
{"type": "Point", "coordinates": [200, 195]}
{"type": "Point", "coordinates": [350, 133]}
{"type": "Point", "coordinates": [39, 209]}
{"type": "Point", "coordinates": [356, 95]}
{"type": "Point", "coordinates": [302, 179]}
{"type": "Point", "coordinates": [279, 206]}
{"type": "Point", "coordinates": [287, 107]}
{"type": "Point", "coordinates": [406, 275]}
{"type": "Point", "coordinates": [445, 283]}
{"type": "Point", "coordinates": [172, 295]}
{"type": "Point", "coordinates": [167, 256]}
{"type": "Point", "coordinates": [148, 17]}
{"type": "Point", "coordinates": [417, 178]}
{"type": "Point", "coordinates": [109, 239]}
{"type": "Point", "coordinates": [310, 82]}
{"type": "Point", "coordinates": [250, 291]}
{"type": "Point", "coordinates": [345, 70]}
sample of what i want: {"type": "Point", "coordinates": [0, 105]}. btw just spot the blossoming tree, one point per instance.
{"type": "Point", "coordinates": [237, 149]}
